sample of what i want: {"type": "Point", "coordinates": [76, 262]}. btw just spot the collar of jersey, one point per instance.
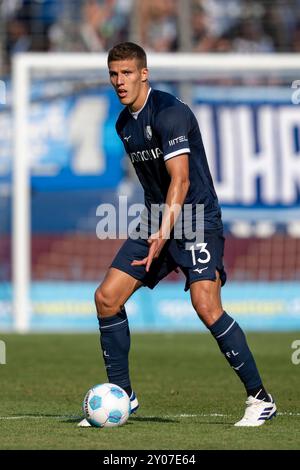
{"type": "Point", "coordinates": [136, 113]}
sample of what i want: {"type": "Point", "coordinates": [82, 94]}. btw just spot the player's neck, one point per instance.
{"type": "Point", "coordinates": [140, 102]}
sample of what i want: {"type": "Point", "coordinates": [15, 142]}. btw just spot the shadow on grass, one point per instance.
{"type": "Point", "coordinates": [152, 419]}
{"type": "Point", "coordinates": [143, 419]}
{"type": "Point", "coordinates": [156, 419]}
{"type": "Point", "coordinates": [147, 419]}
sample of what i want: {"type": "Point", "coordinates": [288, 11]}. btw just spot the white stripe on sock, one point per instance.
{"type": "Point", "coordinates": [114, 324]}
{"type": "Point", "coordinates": [224, 333]}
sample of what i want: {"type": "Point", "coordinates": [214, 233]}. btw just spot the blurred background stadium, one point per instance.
{"type": "Point", "coordinates": [250, 124]}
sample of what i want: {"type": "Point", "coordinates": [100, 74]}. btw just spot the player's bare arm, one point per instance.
{"type": "Point", "coordinates": [178, 169]}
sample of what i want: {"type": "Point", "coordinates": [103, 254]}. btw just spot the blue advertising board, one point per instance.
{"type": "Point", "coordinates": [61, 306]}
{"type": "Point", "coordinates": [251, 136]}
{"type": "Point", "coordinates": [72, 141]}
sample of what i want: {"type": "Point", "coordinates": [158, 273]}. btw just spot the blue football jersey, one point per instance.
{"type": "Point", "coordinates": [164, 128]}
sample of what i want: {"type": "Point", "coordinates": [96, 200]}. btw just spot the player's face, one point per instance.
{"type": "Point", "coordinates": [130, 82]}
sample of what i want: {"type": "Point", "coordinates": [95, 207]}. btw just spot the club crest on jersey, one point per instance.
{"type": "Point", "coordinates": [148, 132]}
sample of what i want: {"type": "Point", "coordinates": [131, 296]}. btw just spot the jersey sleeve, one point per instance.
{"type": "Point", "coordinates": [172, 125]}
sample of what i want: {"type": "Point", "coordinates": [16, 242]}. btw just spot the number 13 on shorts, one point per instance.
{"type": "Point", "coordinates": [201, 248]}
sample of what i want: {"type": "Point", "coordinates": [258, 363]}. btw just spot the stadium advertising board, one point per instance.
{"type": "Point", "coordinates": [69, 306]}
{"type": "Point", "coordinates": [252, 139]}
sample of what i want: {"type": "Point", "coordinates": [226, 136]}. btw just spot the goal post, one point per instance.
{"type": "Point", "coordinates": [179, 67]}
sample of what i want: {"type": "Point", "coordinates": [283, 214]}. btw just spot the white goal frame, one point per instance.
{"type": "Point", "coordinates": [177, 63]}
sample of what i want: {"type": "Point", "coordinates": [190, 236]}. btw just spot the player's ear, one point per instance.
{"type": "Point", "coordinates": [144, 74]}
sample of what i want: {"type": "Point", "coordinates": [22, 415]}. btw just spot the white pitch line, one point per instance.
{"type": "Point", "coordinates": [205, 415]}
{"type": "Point", "coordinates": [144, 417]}
{"type": "Point", "coordinates": [40, 417]}
{"type": "Point", "coordinates": [198, 415]}
{"type": "Point", "coordinates": [195, 415]}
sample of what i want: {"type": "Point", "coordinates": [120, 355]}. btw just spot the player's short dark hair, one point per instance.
{"type": "Point", "coordinates": [128, 50]}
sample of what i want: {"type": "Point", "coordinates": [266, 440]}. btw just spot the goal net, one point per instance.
{"type": "Point", "coordinates": [63, 170]}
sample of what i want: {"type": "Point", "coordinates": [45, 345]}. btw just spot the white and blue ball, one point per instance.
{"type": "Point", "coordinates": [106, 405]}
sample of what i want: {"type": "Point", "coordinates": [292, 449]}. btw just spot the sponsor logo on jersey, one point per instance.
{"type": "Point", "coordinates": [148, 132]}
{"type": "Point", "coordinates": [145, 155]}
{"type": "Point", "coordinates": [198, 270]}
{"type": "Point", "coordinates": [177, 140]}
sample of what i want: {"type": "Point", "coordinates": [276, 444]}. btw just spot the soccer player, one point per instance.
{"type": "Point", "coordinates": [162, 139]}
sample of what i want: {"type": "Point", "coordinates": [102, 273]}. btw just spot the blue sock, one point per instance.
{"type": "Point", "coordinates": [232, 342]}
{"type": "Point", "coordinates": [115, 344]}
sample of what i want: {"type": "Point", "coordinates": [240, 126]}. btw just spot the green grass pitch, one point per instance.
{"type": "Point", "coordinates": [189, 397]}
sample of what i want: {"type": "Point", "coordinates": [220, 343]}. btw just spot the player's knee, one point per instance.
{"type": "Point", "coordinates": [203, 308]}
{"type": "Point", "coordinates": [99, 298]}
{"type": "Point", "coordinates": [106, 305]}
{"type": "Point", "coordinates": [207, 308]}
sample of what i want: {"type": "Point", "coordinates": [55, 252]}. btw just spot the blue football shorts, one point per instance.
{"type": "Point", "coordinates": [199, 262]}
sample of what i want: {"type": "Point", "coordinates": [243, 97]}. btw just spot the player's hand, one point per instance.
{"type": "Point", "coordinates": [155, 246]}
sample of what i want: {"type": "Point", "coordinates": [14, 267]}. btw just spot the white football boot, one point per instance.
{"type": "Point", "coordinates": [257, 412]}
{"type": "Point", "coordinates": [134, 404]}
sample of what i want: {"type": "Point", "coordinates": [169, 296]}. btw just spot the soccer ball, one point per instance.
{"type": "Point", "coordinates": [106, 405]}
